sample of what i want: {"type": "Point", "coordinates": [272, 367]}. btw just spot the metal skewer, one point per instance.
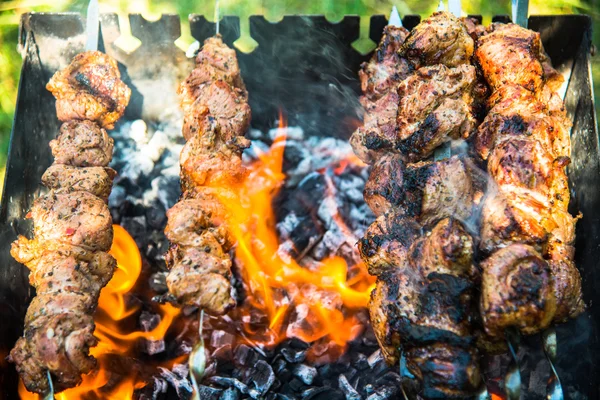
{"type": "Point", "coordinates": [197, 360]}
{"type": "Point", "coordinates": [50, 393]}
{"type": "Point", "coordinates": [92, 26]}
{"type": "Point", "coordinates": [217, 16]}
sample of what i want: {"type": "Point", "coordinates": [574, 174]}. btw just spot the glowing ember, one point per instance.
{"type": "Point", "coordinates": [309, 304]}
{"type": "Point", "coordinates": [113, 339]}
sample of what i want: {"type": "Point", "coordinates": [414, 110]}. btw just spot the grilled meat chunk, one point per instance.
{"type": "Point", "coordinates": [82, 144]}
{"type": "Point", "coordinates": [427, 190]}
{"type": "Point", "coordinates": [90, 88]}
{"type": "Point", "coordinates": [379, 80]}
{"type": "Point", "coordinates": [447, 371]}
{"type": "Point", "coordinates": [510, 54]}
{"type": "Point", "coordinates": [67, 179]}
{"type": "Point", "coordinates": [386, 68]}
{"type": "Point", "coordinates": [516, 291]}
{"type": "Point", "coordinates": [215, 62]}
{"type": "Point", "coordinates": [435, 107]}
{"type": "Point", "coordinates": [439, 39]}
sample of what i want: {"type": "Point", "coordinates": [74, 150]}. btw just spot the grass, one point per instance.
{"type": "Point", "coordinates": [10, 11]}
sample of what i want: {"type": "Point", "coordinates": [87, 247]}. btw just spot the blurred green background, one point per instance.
{"type": "Point", "coordinates": [10, 11]}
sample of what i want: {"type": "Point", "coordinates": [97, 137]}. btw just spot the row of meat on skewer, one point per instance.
{"type": "Point", "coordinates": [464, 248]}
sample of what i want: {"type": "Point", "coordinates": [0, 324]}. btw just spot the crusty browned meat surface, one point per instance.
{"type": "Point", "coordinates": [66, 179]}
{"type": "Point", "coordinates": [418, 247]}
{"type": "Point", "coordinates": [427, 299]}
{"type": "Point", "coordinates": [427, 190]}
{"type": "Point", "coordinates": [415, 99]}
{"type": "Point", "coordinates": [82, 144]}
{"type": "Point", "coordinates": [217, 115]}
{"type": "Point", "coordinates": [440, 39]}
{"type": "Point", "coordinates": [379, 80]}
{"type": "Point", "coordinates": [525, 141]}
{"type": "Point", "coordinates": [72, 228]}
{"type": "Point", "coordinates": [447, 371]}
{"type": "Point", "coordinates": [90, 88]}
{"type": "Point", "coordinates": [516, 291]}
{"type": "Point", "coordinates": [435, 106]}
{"type": "Point", "coordinates": [474, 27]}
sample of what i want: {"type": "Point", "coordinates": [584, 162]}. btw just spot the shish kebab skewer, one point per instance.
{"type": "Point", "coordinates": [67, 255]}
{"type": "Point", "coordinates": [418, 91]}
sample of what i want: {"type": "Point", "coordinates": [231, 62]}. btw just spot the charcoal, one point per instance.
{"type": "Point", "coordinates": [312, 392]}
{"type": "Point", "coordinates": [292, 356]}
{"type": "Point", "coordinates": [223, 353]}
{"type": "Point", "coordinates": [156, 215]}
{"type": "Point", "coordinates": [262, 376]}
{"type": "Point", "coordinates": [385, 393]}
{"type": "Point", "coordinates": [305, 373]}
{"type": "Point", "coordinates": [375, 358]}
{"type": "Point", "coordinates": [229, 383]}
{"type": "Point", "coordinates": [285, 375]}
{"type": "Point", "coordinates": [244, 355]}
{"type": "Point", "coordinates": [296, 384]}
{"type": "Point", "coordinates": [158, 282]}
{"type": "Point", "coordinates": [360, 362]}
{"type": "Point", "coordinates": [152, 347]}
{"type": "Point", "coordinates": [278, 364]}
{"type": "Point", "coordinates": [221, 338]}
{"type": "Point", "coordinates": [349, 392]}
{"type": "Point", "coordinates": [284, 397]}
{"type": "Point", "coordinates": [298, 344]}
{"type": "Point", "coordinates": [181, 369]}
{"type": "Point", "coordinates": [182, 385]}
{"type": "Point", "coordinates": [230, 394]}
{"type": "Point", "coordinates": [208, 393]}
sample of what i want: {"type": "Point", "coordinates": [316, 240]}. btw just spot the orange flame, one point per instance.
{"type": "Point", "coordinates": [299, 302]}
{"type": "Point", "coordinates": [114, 309]}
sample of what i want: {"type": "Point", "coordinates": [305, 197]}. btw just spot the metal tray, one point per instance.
{"type": "Point", "coordinates": [307, 66]}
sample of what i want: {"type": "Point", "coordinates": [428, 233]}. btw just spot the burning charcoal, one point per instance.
{"type": "Point", "coordinates": [182, 385]}
{"type": "Point", "coordinates": [360, 361]}
{"type": "Point", "coordinates": [278, 364]}
{"type": "Point", "coordinates": [158, 282]}
{"type": "Point", "coordinates": [305, 373]}
{"type": "Point", "coordinates": [244, 355]}
{"type": "Point", "coordinates": [352, 187]}
{"type": "Point", "coordinates": [263, 377]}
{"type": "Point", "coordinates": [349, 391]}
{"type": "Point", "coordinates": [293, 356]}
{"type": "Point", "coordinates": [375, 358]}
{"type": "Point", "coordinates": [256, 148]}
{"type": "Point", "coordinates": [181, 369]}
{"type": "Point", "coordinates": [156, 215]}
{"type": "Point", "coordinates": [296, 384]}
{"type": "Point", "coordinates": [384, 393]}
{"type": "Point", "coordinates": [221, 338]}
{"type": "Point", "coordinates": [208, 393]}
{"type": "Point", "coordinates": [167, 190]}
{"type": "Point", "coordinates": [230, 394]}
{"type": "Point", "coordinates": [223, 353]}
{"type": "Point", "coordinates": [229, 383]}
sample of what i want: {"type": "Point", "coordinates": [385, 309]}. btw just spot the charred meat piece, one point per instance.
{"type": "Point", "coordinates": [426, 302]}
{"type": "Point", "coordinates": [72, 228]}
{"type": "Point", "coordinates": [439, 39]}
{"type": "Point", "coordinates": [386, 68]}
{"type": "Point", "coordinates": [217, 115]}
{"type": "Point", "coordinates": [428, 190]}
{"type": "Point", "coordinates": [516, 291]}
{"type": "Point", "coordinates": [379, 80]}
{"type": "Point", "coordinates": [447, 371]}
{"type": "Point", "coordinates": [90, 88]}
{"type": "Point", "coordinates": [434, 107]}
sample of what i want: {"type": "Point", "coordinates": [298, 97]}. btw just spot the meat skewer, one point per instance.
{"type": "Point", "coordinates": [217, 115]}
{"type": "Point", "coordinates": [417, 98]}
{"type": "Point", "coordinates": [72, 233]}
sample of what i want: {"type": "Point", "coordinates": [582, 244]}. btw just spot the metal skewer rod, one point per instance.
{"type": "Point", "coordinates": [520, 12]}
{"type": "Point", "coordinates": [50, 393]}
{"type": "Point", "coordinates": [197, 360]}
{"type": "Point", "coordinates": [395, 19]}
{"type": "Point", "coordinates": [217, 16]}
{"type": "Point", "coordinates": [92, 25]}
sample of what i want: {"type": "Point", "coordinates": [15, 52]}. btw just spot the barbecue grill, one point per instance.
{"type": "Point", "coordinates": [307, 66]}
